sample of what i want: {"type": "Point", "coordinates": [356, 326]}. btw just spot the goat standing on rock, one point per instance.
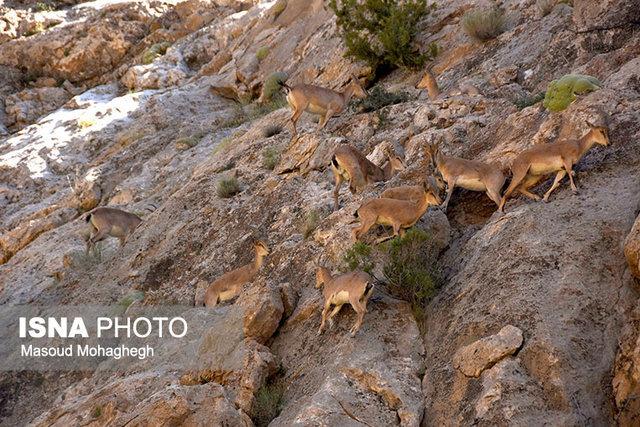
{"type": "Point", "coordinates": [469, 174]}
{"type": "Point", "coordinates": [354, 288]}
{"type": "Point", "coordinates": [112, 222]}
{"type": "Point", "coordinates": [533, 164]}
{"type": "Point", "coordinates": [228, 285]}
{"type": "Point", "coordinates": [399, 214]}
{"type": "Point", "coordinates": [319, 100]}
{"type": "Point", "coordinates": [350, 164]}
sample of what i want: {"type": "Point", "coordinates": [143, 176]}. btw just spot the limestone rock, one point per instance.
{"type": "Point", "coordinates": [626, 379]}
{"type": "Point", "coordinates": [474, 358]}
{"type": "Point", "coordinates": [632, 248]}
{"type": "Point", "coordinates": [263, 313]}
{"type": "Point", "coordinates": [27, 106]}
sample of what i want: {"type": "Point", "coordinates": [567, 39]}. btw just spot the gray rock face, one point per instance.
{"type": "Point", "coordinates": [557, 271]}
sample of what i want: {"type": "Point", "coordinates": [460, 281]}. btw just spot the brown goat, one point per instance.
{"type": "Point", "coordinates": [354, 288]}
{"type": "Point", "coordinates": [536, 162]}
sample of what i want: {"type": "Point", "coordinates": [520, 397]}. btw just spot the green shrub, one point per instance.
{"type": "Point", "coordinates": [224, 144]}
{"type": "Point", "coordinates": [271, 85]}
{"type": "Point", "coordinates": [262, 53]}
{"type": "Point", "coordinates": [130, 298]}
{"type": "Point", "coordinates": [43, 7]}
{"type": "Point", "coordinates": [155, 51]}
{"type": "Point", "coordinates": [358, 257]}
{"type": "Point", "coordinates": [228, 187]}
{"type": "Point", "coordinates": [255, 110]}
{"type": "Point", "coordinates": [378, 97]}
{"type": "Point", "coordinates": [96, 412]}
{"type": "Point", "coordinates": [484, 24]}
{"type": "Point", "coordinates": [411, 271]}
{"type": "Point", "coordinates": [270, 157]}
{"type": "Point", "coordinates": [186, 143]}
{"type": "Point", "coordinates": [38, 27]}
{"type": "Point", "coordinates": [310, 223]}
{"type": "Point", "coordinates": [83, 260]}
{"type": "Point", "coordinates": [268, 403]}
{"type": "Point", "coordinates": [562, 92]}
{"type": "Point", "coordinates": [278, 8]}
{"type": "Point", "coordinates": [382, 32]}
{"type": "Point", "coordinates": [530, 100]}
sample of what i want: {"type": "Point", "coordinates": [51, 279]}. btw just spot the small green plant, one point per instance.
{"type": "Point", "coordinates": [529, 100]}
{"type": "Point", "coordinates": [411, 271]}
{"type": "Point", "coordinates": [228, 187]}
{"type": "Point", "coordinates": [271, 85]}
{"type": "Point", "coordinates": [224, 144]}
{"type": "Point", "coordinates": [268, 403]}
{"type": "Point", "coordinates": [562, 92]}
{"type": "Point", "coordinates": [310, 223]}
{"type": "Point", "coordinates": [96, 412]}
{"type": "Point", "coordinates": [382, 32]}
{"type": "Point", "coordinates": [378, 97]}
{"type": "Point", "coordinates": [545, 7]}
{"type": "Point", "coordinates": [186, 142]}
{"type": "Point", "coordinates": [155, 51]}
{"type": "Point", "coordinates": [83, 260]}
{"type": "Point", "coordinates": [130, 298]}
{"type": "Point", "coordinates": [85, 122]}
{"type": "Point", "coordinates": [358, 257]}
{"type": "Point", "coordinates": [271, 130]}
{"type": "Point", "coordinates": [484, 24]}
{"type": "Point", "coordinates": [38, 27]}
{"type": "Point", "coordinates": [278, 8]}
{"type": "Point", "coordinates": [255, 111]}
{"type": "Point", "coordinates": [238, 118]}
{"type": "Point", "coordinates": [262, 53]}
{"type": "Point", "coordinates": [270, 157]}
{"type": "Point", "coordinates": [43, 7]}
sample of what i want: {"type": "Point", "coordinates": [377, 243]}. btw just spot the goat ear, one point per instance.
{"type": "Point", "coordinates": [590, 124]}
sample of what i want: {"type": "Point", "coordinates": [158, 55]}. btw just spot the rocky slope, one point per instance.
{"type": "Point", "coordinates": [537, 319]}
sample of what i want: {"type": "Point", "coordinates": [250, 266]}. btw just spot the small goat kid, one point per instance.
{"type": "Point", "coordinates": [322, 101]}
{"type": "Point", "coordinates": [351, 165]}
{"type": "Point", "coordinates": [412, 192]}
{"type": "Point", "coordinates": [112, 222]}
{"type": "Point", "coordinates": [469, 174]}
{"type": "Point", "coordinates": [354, 288]}
{"type": "Point", "coordinates": [399, 214]}
{"type": "Point", "coordinates": [560, 157]}
{"type": "Point", "coordinates": [228, 285]}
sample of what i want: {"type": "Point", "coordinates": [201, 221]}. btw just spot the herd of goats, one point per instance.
{"type": "Point", "coordinates": [399, 207]}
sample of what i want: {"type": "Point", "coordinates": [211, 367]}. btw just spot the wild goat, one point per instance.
{"type": "Point", "coordinates": [536, 162]}
{"type": "Point", "coordinates": [399, 214]}
{"type": "Point", "coordinates": [429, 82]}
{"type": "Point", "coordinates": [112, 222]}
{"type": "Point", "coordinates": [469, 174]}
{"type": "Point", "coordinates": [350, 164]}
{"type": "Point", "coordinates": [319, 100]}
{"type": "Point", "coordinates": [228, 285]}
{"type": "Point", "coordinates": [354, 288]}
{"type": "Point", "coordinates": [412, 192]}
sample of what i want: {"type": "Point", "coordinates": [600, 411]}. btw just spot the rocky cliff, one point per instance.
{"type": "Point", "coordinates": [146, 106]}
